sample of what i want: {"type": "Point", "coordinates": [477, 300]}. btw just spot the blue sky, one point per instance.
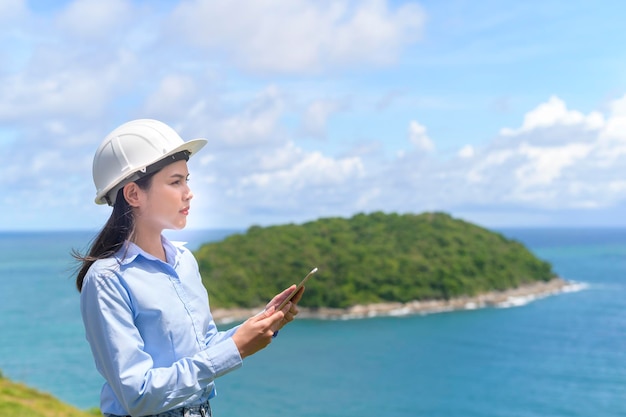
{"type": "Point", "coordinates": [501, 113]}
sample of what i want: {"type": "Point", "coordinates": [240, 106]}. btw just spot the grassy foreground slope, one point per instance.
{"type": "Point", "coordinates": [369, 258]}
{"type": "Point", "coordinates": [18, 400]}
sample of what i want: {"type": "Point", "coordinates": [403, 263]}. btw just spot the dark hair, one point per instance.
{"type": "Point", "coordinates": [116, 231]}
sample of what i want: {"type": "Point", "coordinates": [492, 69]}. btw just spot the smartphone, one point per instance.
{"type": "Point", "coordinates": [300, 285]}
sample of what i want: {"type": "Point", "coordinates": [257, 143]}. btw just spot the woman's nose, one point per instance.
{"type": "Point", "coordinates": [188, 194]}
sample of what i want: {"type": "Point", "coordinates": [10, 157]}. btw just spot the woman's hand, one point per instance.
{"type": "Point", "coordinates": [290, 310]}
{"type": "Point", "coordinates": [257, 332]}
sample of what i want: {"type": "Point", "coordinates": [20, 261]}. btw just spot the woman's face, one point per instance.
{"type": "Point", "coordinates": [165, 204]}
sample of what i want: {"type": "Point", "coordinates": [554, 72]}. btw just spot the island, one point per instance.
{"type": "Point", "coordinates": [372, 264]}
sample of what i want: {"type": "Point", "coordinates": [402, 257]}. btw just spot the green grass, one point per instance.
{"type": "Point", "coordinates": [19, 400]}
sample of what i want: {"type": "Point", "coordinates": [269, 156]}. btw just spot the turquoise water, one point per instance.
{"type": "Point", "coordinates": [563, 355]}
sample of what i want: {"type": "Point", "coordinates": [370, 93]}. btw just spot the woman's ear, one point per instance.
{"type": "Point", "coordinates": [132, 194]}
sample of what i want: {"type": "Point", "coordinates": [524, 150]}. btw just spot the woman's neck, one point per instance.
{"type": "Point", "coordinates": [150, 242]}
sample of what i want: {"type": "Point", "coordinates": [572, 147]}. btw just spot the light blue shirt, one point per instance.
{"type": "Point", "coordinates": [151, 331]}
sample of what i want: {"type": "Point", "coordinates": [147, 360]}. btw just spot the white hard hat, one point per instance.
{"type": "Point", "coordinates": [127, 151]}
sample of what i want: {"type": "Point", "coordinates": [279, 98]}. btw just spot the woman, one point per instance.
{"type": "Point", "coordinates": [145, 310]}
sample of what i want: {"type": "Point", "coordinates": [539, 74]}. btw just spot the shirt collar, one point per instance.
{"type": "Point", "coordinates": [129, 252]}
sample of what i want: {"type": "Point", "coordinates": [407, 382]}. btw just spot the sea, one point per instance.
{"type": "Point", "coordinates": [561, 355]}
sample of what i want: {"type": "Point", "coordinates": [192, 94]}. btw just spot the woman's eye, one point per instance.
{"type": "Point", "coordinates": [181, 181]}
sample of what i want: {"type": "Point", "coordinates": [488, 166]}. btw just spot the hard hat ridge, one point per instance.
{"type": "Point", "coordinates": [134, 148]}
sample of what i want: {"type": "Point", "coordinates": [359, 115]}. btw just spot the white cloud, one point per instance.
{"type": "Point", "coordinates": [64, 94]}
{"type": "Point", "coordinates": [174, 95]}
{"type": "Point", "coordinates": [466, 151]}
{"type": "Point", "coordinates": [485, 163]}
{"type": "Point", "coordinates": [275, 183]}
{"type": "Point", "coordinates": [312, 170]}
{"type": "Point", "coordinates": [299, 35]}
{"type": "Point", "coordinates": [552, 113]}
{"type": "Point", "coordinates": [95, 18]}
{"type": "Point", "coordinates": [557, 158]}
{"type": "Point", "coordinates": [419, 138]}
{"type": "Point", "coordinates": [544, 165]}
{"type": "Point", "coordinates": [258, 122]}
{"type": "Point", "coordinates": [10, 10]}
{"type": "Point", "coordinates": [615, 127]}
{"type": "Point", "coordinates": [281, 158]}
{"type": "Point", "coordinates": [316, 115]}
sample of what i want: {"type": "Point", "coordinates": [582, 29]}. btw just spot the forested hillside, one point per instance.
{"type": "Point", "coordinates": [369, 258]}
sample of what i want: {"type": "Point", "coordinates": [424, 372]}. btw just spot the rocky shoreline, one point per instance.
{"type": "Point", "coordinates": [508, 298]}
